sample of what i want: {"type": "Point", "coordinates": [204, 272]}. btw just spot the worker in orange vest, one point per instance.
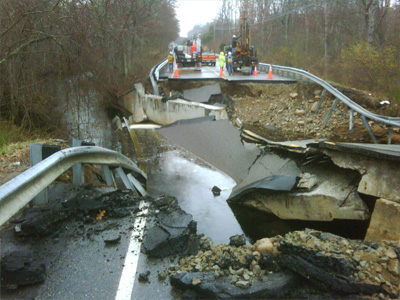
{"type": "Point", "coordinates": [171, 61]}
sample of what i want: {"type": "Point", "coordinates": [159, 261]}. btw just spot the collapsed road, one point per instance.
{"type": "Point", "coordinates": [306, 180]}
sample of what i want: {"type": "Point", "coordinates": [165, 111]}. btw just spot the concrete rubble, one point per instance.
{"type": "Point", "coordinates": [301, 264]}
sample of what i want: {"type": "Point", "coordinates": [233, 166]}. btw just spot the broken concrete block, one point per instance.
{"type": "Point", "coordinates": [380, 177]}
{"type": "Point", "coordinates": [139, 115]}
{"type": "Point", "coordinates": [307, 181]}
{"type": "Point", "coordinates": [335, 197]}
{"type": "Point", "coordinates": [174, 232]}
{"type": "Point", "coordinates": [383, 225]}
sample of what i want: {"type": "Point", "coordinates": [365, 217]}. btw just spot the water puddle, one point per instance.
{"type": "Point", "coordinates": [176, 172]}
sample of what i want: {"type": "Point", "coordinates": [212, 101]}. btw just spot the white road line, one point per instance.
{"type": "Point", "coordinates": [128, 275]}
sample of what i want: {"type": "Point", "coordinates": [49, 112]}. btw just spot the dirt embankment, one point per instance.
{"type": "Point", "coordinates": [289, 112]}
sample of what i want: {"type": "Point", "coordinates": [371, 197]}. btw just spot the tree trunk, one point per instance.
{"type": "Point", "coordinates": [326, 39]}
{"type": "Point", "coordinates": [372, 13]}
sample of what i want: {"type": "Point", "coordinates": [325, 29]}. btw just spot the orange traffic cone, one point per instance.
{"type": "Point", "coordinates": [176, 73]}
{"type": "Point", "coordinates": [221, 72]}
{"type": "Point", "coordinates": [270, 72]}
{"type": "Point", "coordinates": [255, 71]}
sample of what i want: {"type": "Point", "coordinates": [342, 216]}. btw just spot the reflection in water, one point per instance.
{"type": "Point", "coordinates": [175, 175]}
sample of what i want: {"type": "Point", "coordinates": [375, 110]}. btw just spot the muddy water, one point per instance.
{"type": "Point", "coordinates": [176, 172]}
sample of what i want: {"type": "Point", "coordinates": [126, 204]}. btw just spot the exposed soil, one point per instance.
{"type": "Point", "coordinates": [283, 112]}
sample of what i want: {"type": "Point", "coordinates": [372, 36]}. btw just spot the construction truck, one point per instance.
{"type": "Point", "coordinates": [189, 54]}
{"type": "Point", "coordinates": [208, 59]}
{"type": "Point", "coordinates": [244, 56]}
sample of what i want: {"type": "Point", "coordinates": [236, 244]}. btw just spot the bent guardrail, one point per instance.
{"type": "Point", "coordinates": [155, 75]}
{"type": "Point", "coordinates": [18, 192]}
{"type": "Point", "coordinates": [389, 121]}
{"type": "Point", "coordinates": [290, 72]}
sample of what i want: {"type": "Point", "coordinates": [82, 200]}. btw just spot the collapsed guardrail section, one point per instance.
{"type": "Point", "coordinates": [294, 73]}
{"type": "Point", "coordinates": [18, 192]}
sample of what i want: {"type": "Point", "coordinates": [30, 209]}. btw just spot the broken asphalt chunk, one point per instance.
{"type": "Point", "coordinates": [22, 267]}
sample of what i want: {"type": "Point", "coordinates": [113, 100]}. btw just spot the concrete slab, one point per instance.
{"type": "Point", "coordinates": [390, 152]}
{"type": "Point", "coordinates": [383, 226]}
{"type": "Point", "coordinates": [216, 142]}
{"type": "Point", "coordinates": [202, 94]}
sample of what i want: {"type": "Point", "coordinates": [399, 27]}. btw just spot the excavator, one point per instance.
{"type": "Point", "coordinates": [244, 57]}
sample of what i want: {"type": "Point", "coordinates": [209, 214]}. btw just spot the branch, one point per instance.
{"type": "Point", "coordinates": [23, 46]}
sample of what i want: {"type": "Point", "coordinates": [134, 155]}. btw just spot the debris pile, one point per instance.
{"type": "Point", "coordinates": [324, 262]}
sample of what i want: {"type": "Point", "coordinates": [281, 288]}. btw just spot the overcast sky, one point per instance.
{"type": "Point", "coordinates": [193, 12]}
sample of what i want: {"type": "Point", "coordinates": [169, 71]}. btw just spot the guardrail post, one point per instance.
{"type": "Point", "coordinates": [369, 129]}
{"type": "Point", "coordinates": [39, 152]}
{"type": "Point", "coordinates": [78, 174]}
{"type": "Point", "coordinates": [329, 114]}
{"type": "Point", "coordinates": [390, 135]}
{"type": "Point", "coordinates": [128, 184]}
{"type": "Point", "coordinates": [351, 119]}
{"type": "Point", "coordinates": [321, 100]}
{"type": "Point", "coordinates": [108, 175]}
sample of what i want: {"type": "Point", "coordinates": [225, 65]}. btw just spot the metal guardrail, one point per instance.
{"type": "Point", "coordinates": [390, 122]}
{"type": "Point", "coordinates": [293, 73]}
{"type": "Point", "coordinates": [155, 75]}
{"type": "Point", "coordinates": [18, 192]}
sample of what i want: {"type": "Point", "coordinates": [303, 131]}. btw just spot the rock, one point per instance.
{"type": "Point", "coordinates": [256, 269]}
{"type": "Point", "coordinates": [237, 240]}
{"type": "Point", "coordinates": [363, 263]}
{"type": "Point", "coordinates": [265, 246]}
{"type": "Point", "coordinates": [216, 191]}
{"type": "Point", "coordinates": [390, 253]}
{"type": "Point", "coordinates": [357, 257]}
{"type": "Point", "coordinates": [22, 268]}
{"type": "Point", "coordinates": [394, 267]}
{"type": "Point", "coordinates": [111, 237]}
{"type": "Point", "coordinates": [196, 281]}
{"type": "Point", "coordinates": [314, 107]}
{"type": "Point", "coordinates": [266, 262]}
{"type": "Point", "coordinates": [300, 112]}
{"type": "Point", "coordinates": [293, 95]}
{"type": "Point", "coordinates": [144, 277]}
{"type": "Point", "coordinates": [243, 284]}
{"type": "Point", "coordinates": [300, 123]}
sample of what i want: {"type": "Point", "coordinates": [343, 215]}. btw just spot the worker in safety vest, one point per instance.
{"type": "Point", "coordinates": [230, 64]}
{"type": "Point", "coordinates": [221, 60]}
{"type": "Point", "coordinates": [171, 61]}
